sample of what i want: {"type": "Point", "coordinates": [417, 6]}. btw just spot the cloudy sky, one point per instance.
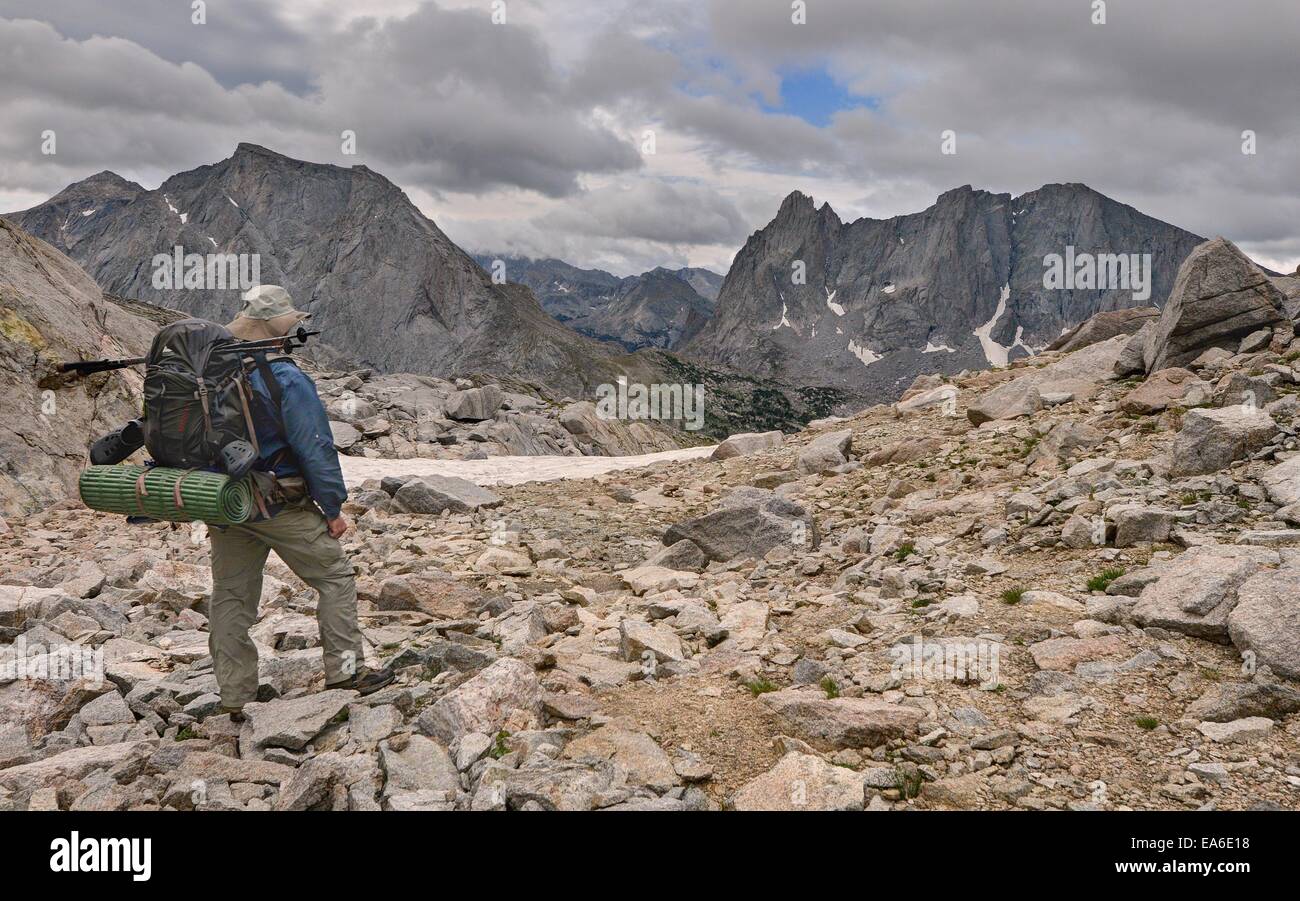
{"type": "Point", "coordinates": [531, 136]}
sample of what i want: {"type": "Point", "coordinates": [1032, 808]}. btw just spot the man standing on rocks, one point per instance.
{"type": "Point", "coordinates": [302, 522]}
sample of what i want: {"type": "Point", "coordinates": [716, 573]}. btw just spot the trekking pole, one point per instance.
{"type": "Point", "coordinates": [86, 367]}
{"type": "Point", "coordinates": [298, 338]}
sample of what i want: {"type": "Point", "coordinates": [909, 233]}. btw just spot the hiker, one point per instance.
{"type": "Point", "coordinates": [302, 522]}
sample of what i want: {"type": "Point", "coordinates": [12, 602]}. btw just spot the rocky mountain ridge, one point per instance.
{"type": "Point", "coordinates": [379, 277]}
{"type": "Point", "coordinates": [871, 304]}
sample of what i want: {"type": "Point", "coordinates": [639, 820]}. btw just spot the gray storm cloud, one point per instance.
{"type": "Point", "coordinates": [526, 134]}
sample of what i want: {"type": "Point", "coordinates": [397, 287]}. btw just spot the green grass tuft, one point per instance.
{"type": "Point", "coordinates": [1102, 581]}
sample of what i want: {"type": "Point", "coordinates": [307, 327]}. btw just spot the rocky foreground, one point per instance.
{"type": "Point", "coordinates": [1069, 584]}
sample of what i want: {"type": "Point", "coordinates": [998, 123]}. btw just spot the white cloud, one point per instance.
{"type": "Point", "coordinates": [525, 136]}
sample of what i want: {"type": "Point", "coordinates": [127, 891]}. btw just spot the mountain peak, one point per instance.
{"type": "Point", "coordinates": [798, 204]}
{"type": "Point", "coordinates": [796, 200]}
{"type": "Point", "coordinates": [102, 186]}
{"type": "Point", "coordinates": [246, 148]}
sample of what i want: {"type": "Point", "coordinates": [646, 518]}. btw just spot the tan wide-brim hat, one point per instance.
{"type": "Point", "coordinates": [267, 313]}
{"type": "Point", "coordinates": [246, 329]}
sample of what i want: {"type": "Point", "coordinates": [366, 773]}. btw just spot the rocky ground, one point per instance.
{"type": "Point", "coordinates": [406, 416]}
{"type": "Point", "coordinates": [1052, 586]}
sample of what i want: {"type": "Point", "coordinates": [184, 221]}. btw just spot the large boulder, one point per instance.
{"type": "Point", "coordinates": [433, 594]}
{"type": "Point", "coordinates": [421, 765]}
{"type": "Point", "coordinates": [1211, 440]}
{"type": "Point", "coordinates": [432, 494]}
{"type": "Point", "coordinates": [505, 692]}
{"type": "Point", "coordinates": [635, 752]}
{"type": "Point", "coordinates": [597, 433]}
{"type": "Point", "coordinates": [802, 782]}
{"type": "Point", "coordinates": [826, 452]}
{"type": "Point", "coordinates": [1198, 590]}
{"type": "Point", "coordinates": [1132, 357]}
{"type": "Point", "coordinates": [345, 436]}
{"type": "Point", "coordinates": [1283, 482]}
{"type": "Point", "coordinates": [1266, 620]}
{"type": "Point", "coordinates": [51, 311]}
{"type": "Point", "coordinates": [1219, 298]}
{"type": "Point", "coordinates": [1009, 401]}
{"type": "Point", "coordinates": [636, 638]}
{"type": "Point", "coordinates": [1162, 390]}
{"type": "Point", "coordinates": [944, 396]}
{"type": "Point", "coordinates": [293, 723]}
{"type": "Point", "coordinates": [746, 444]}
{"type": "Point", "coordinates": [1224, 702]}
{"type": "Point", "coordinates": [475, 404]}
{"type": "Point", "coordinates": [1138, 524]}
{"type": "Point", "coordinates": [751, 522]}
{"type": "Point", "coordinates": [1104, 326]}
{"type": "Point", "coordinates": [1067, 439]}
{"type": "Point", "coordinates": [834, 723]}
{"type": "Point", "coordinates": [1240, 389]}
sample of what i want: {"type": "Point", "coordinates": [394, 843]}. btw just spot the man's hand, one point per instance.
{"type": "Point", "coordinates": [338, 526]}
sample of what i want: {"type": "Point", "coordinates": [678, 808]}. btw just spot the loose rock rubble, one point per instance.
{"type": "Point", "coordinates": [946, 604]}
{"type": "Point", "coordinates": [406, 416]}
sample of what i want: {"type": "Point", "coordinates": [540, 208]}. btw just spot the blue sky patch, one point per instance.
{"type": "Point", "coordinates": [814, 96]}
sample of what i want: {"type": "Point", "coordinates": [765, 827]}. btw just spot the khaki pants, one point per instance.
{"type": "Point", "coordinates": [299, 537]}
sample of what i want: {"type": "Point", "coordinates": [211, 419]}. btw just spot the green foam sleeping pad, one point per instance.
{"type": "Point", "coordinates": [209, 497]}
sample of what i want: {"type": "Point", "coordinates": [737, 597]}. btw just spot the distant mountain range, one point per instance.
{"type": "Point", "coordinates": [660, 308]}
{"type": "Point", "coordinates": [380, 278]}
{"type": "Point", "coordinates": [827, 314]}
{"type": "Point", "coordinates": [389, 289]}
{"type": "Point", "coordinates": [868, 305]}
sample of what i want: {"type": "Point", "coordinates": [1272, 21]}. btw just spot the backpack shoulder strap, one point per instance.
{"type": "Point", "coordinates": [273, 388]}
{"type": "Point", "coordinates": [272, 384]}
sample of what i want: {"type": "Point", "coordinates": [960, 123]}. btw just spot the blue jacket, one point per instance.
{"type": "Point", "coordinates": [306, 431]}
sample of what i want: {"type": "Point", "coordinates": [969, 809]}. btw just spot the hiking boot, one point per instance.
{"type": "Point", "coordinates": [236, 714]}
{"type": "Point", "coordinates": [366, 680]}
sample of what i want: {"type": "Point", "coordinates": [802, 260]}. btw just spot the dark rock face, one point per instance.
{"type": "Point", "coordinates": [1220, 297]}
{"type": "Point", "coordinates": [660, 308]}
{"type": "Point", "coordinates": [380, 278]}
{"type": "Point", "coordinates": [960, 285]}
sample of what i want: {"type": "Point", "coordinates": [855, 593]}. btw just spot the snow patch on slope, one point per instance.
{"type": "Point", "coordinates": [830, 302]}
{"type": "Point", "coordinates": [994, 352]}
{"type": "Point", "coordinates": [863, 353]}
{"type": "Point", "coordinates": [785, 318]}
{"type": "Point", "coordinates": [184, 216]}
